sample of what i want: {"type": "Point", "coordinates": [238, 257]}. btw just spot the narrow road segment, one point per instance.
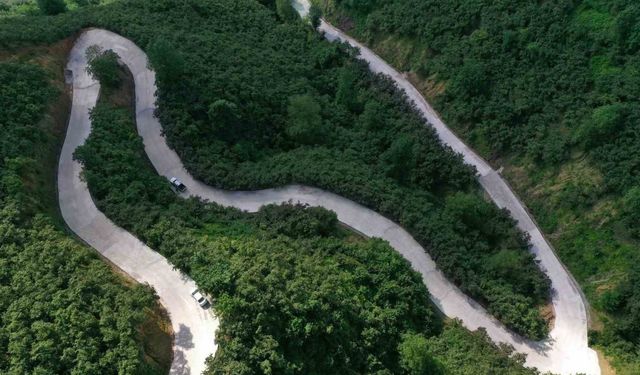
{"type": "Point", "coordinates": [566, 351]}
{"type": "Point", "coordinates": [194, 328]}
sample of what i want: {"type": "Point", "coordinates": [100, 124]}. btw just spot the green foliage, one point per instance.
{"type": "Point", "coordinates": [506, 93]}
{"type": "Point", "coordinates": [372, 116]}
{"type": "Point", "coordinates": [628, 325]}
{"type": "Point", "coordinates": [294, 110]}
{"type": "Point", "coordinates": [258, 64]}
{"type": "Point", "coordinates": [315, 15]}
{"type": "Point", "coordinates": [415, 357]}
{"type": "Point", "coordinates": [621, 339]}
{"type": "Point", "coordinates": [66, 312]}
{"type": "Point", "coordinates": [471, 80]}
{"type": "Point", "coordinates": [52, 6]}
{"type": "Point", "coordinates": [24, 95]}
{"type": "Point", "coordinates": [165, 60]}
{"type": "Point", "coordinates": [294, 296]}
{"type": "Point", "coordinates": [604, 124]}
{"type": "Point", "coordinates": [363, 6]}
{"type": "Point", "coordinates": [479, 48]}
{"type": "Point", "coordinates": [285, 10]}
{"type": "Point", "coordinates": [299, 305]}
{"type": "Point", "coordinates": [62, 310]}
{"type": "Point", "coordinates": [399, 159]}
{"type": "Point", "coordinates": [463, 354]}
{"type": "Point", "coordinates": [297, 221]}
{"type": "Point", "coordinates": [305, 123]}
{"type": "Point", "coordinates": [104, 67]}
{"type": "Point", "coordinates": [346, 93]}
{"type": "Point", "coordinates": [631, 210]}
{"type": "Point", "coordinates": [225, 122]}
{"type": "Point", "coordinates": [627, 33]}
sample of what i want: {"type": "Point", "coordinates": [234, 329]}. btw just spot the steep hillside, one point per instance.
{"type": "Point", "coordinates": [548, 91]}
{"type": "Point", "coordinates": [268, 102]}
{"type": "Point", "coordinates": [296, 293]}
{"type": "Point", "coordinates": [62, 309]}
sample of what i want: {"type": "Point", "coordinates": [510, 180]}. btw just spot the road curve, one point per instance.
{"type": "Point", "coordinates": [194, 328]}
{"type": "Point", "coordinates": [565, 352]}
{"type": "Point", "coordinates": [567, 348]}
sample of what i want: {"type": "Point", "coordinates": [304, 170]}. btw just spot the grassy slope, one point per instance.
{"type": "Point", "coordinates": [568, 200]}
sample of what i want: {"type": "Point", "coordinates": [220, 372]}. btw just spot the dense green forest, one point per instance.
{"type": "Point", "coordinates": [269, 103]}
{"type": "Point", "coordinates": [301, 111]}
{"type": "Point", "coordinates": [62, 310]}
{"type": "Point", "coordinates": [288, 107]}
{"type": "Point", "coordinates": [296, 293]}
{"type": "Point", "coordinates": [549, 90]}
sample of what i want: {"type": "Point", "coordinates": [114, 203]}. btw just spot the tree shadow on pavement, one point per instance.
{"type": "Point", "coordinates": [184, 337]}
{"type": "Point", "coordinates": [179, 365]}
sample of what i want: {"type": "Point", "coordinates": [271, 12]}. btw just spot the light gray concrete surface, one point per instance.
{"type": "Point", "coordinates": [194, 328]}
{"type": "Point", "coordinates": [567, 350]}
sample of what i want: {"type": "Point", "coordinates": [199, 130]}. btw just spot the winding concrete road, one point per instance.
{"type": "Point", "coordinates": [194, 328]}
{"type": "Point", "coordinates": [566, 352]}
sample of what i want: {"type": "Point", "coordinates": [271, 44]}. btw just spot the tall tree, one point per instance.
{"type": "Point", "coordinates": [315, 14]}
{"type": "Point", "coordinates": [347, 94]}
{"type": "Point", "coordinates": [415, 357]}
{"type": "Point", "coordinates": [305, 123]}
{"type": "Point", "coordinates": [104, 67]}
{"type": "Point", "coordinates": [399, 160]}
{"type": "Point", "coordinates": [52, 7]}
{"type": "Point", "coordinates": [224, 118]}
{"type": "Point", "coordinates": [165, 60]}
{"type": "Point", "coordinates": [285, 10]}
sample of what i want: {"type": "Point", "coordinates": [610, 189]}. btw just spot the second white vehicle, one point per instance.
{"type": "Point", "coordinates": [178, 184]}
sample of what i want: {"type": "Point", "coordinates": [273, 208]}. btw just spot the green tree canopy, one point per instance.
{"type": "Point", "coordinates": [605, 122]}
{"type": "Point", "coordinates": [631, 210]}
{"type": "Point", "coordinates": [168, 63]}
{"type": "Point", "coordinates": [104, 67]}
{"type": "Point", "coordinates": [52, 7]}
{"type": "Point", "coordinates": [285, 10]}
{"type": "Point", "coordinates": [347, 93]}
{"type": "Point", "coordinates": [415, 357]}
{"type": "Point", "coordinates": [224, 118]}
{"type": "Point", "coordinates": [315, 15]}
{"type": "Point", "coordinates": [399, 160]}
{"type": "Point", "coordinates": [304, 120]}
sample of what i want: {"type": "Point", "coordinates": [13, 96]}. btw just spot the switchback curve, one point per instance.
{"type": "Point", "coordinates": [565, 352]}
{"type": "Point", "coordinates": [194, 328]}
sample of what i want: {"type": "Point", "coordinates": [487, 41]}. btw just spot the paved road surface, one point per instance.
{"type": "Point", "coordinates": [567, 351]}
{"type": "Point", "coordinates": [194, 328]}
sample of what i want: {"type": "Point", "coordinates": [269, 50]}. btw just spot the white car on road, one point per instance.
{"type": "Point", "coordinates": [202, 301]}
{"type": "Point", "coordinates": [178, 184]}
